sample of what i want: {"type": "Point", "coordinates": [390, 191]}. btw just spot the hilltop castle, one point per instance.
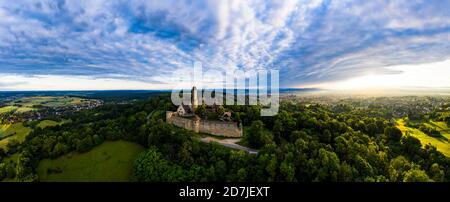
{"type": "Point", "coordinates": [189, 110]}
{"type": "Point", "coordinates": [185, 117]}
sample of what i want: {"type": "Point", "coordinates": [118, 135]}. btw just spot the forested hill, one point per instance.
{"type": "Point", "coordinates": [303, 143]}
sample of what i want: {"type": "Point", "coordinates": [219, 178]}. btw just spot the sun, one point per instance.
{"type": "Point", "coordinates": [430, 75]}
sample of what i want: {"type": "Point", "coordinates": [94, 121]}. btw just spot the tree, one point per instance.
{"type": "Point", "coordinates": [2, 171]}
{"type": "Point", "coordinates": [257, 136]}
{"type": "Point", "coordinates": [221, 170]}
{"type": "Point", "coordinates": [437, 174]}
{"type": "Point", "coordinates": [363, 166]}
{"type": "Point", "coordinates": [327, 166]}
{"type": "Point", "coordinates": [271, 167]}
{"type": "Point", "coordinates": [184, 154]}
{"type": "Point", "coordinates": [196, 173]}
{"type": "Point", "coordinates": [287, 170]}
{"type": "Point", "coordinates": [401, 170]}
{"type": "Point", "coordinates": [325, 136]}
{"type": "Point", "coordinates": [201, 110]}
{"type": "Point", "coordinates": [85, 144]}
{"type": "Point", "coordinates": [159, 133]}
{"type": "Point", "coordinates": [278, 131]}
{"type": "Point", "coordinates": [416, 175]}
{"type": "Point", "coordinates": [242, 175]}
{"type": "Point", "coordinates": [372, 129]}
{"type": "Point", "coordinates": [97, 140]}
{"type": "Point", "coordinates": [10, 171]}
{"type": "Point", "coordinates": [411, 145]}
{"type": "Point", "coordinates": [210, 174]}
{"type": "Point", "coordinates": [220, 111]}
{"type": "Point", "coordinates": [398, 167]}
{"type": "Point", "coordinates": [24, 167]}
{"type": "Point", "coordinates": [346, 172]}
{"type": "Point", "coordinates": [60, 148]}
{"type": "Point", "coordinates": [150, 166]}
{"type": "Point", "coordinates": [141, 118]}
{"type": "Point", "coordinates": [12, 144]}
{"type": "Point", "coordinates": [393, 133]}
{"type": "Point", "coordinates": [2, 153]}
{"type": "Point", "coordinates": [284, 125]}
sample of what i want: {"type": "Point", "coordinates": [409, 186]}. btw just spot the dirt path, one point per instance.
{"type": "Point", "coordinates": [230, 143]}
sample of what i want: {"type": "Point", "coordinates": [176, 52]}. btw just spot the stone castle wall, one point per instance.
{"type": "Point", "coordinates": [219, 128]}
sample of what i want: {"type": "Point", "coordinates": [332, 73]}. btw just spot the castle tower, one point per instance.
{"type": "Point", "coordinates": [194, 98]}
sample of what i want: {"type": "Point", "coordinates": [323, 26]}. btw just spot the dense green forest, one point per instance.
{"type": "Point", "coordinates": [303, 143]}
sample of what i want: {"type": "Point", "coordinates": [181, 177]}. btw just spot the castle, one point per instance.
{"type": "Point", "coordinates": [189, 110]}
{"type": "Point", "coordinates": [185, 117]}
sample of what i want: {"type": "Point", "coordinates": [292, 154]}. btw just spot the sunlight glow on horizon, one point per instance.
{"type": "Point", "coordinates": [431, 75]}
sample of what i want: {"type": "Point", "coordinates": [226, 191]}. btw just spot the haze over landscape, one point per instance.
{"type": "Point", "coordinates": [340, 45]}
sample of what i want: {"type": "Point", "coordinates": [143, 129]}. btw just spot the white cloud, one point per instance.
{"type": "Point", "coordinates": [311, 42]}
{"type": "Point", "coordinates": [68, 82]}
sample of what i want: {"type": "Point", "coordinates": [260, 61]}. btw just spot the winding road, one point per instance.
{"type": "Point", "coordinates": [230, 143]}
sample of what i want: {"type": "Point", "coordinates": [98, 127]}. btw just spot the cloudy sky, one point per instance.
{"type": "Point", "coordinates": [143, 44]}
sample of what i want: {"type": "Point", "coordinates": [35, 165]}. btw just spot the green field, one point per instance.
{"type": "Point", "coordinates": [48, 101]}
{"type": "Point", "coordinates": [441, 127]}
{"type": "Point", "coordinates": [111, 161]}
{"type": "Point", "coordinates": [7, 109]}
{"type": "Point", "coordinates": [49, 123]}
{"type": "Point", "coordinates": [13, 158]}
{"type": "Point", "coordinates": [24, 109]}
{"type": "Point", "coordinates": [27, 104]}
{"type": "Point", "coordinates": [442, 144]}
{"type": "Point", "coordinates": [13, 132]}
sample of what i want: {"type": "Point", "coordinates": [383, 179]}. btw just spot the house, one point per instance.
{"type": "Point", "coordinates": [189, 110]}
{"type": "Point", "coordinates": [227, 115]}
{"type": "Point", "coordinates": [184, 110]}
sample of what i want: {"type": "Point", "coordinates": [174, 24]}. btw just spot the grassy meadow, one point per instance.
{"type": "Point", "coordinates": [442, 144]}
{"type": "Point", "coordinates": [10, 132]}
{"type": "Point", "coordinates": [48, 101]}
{"type": "Point", "coordinates": [19, 132]}
{"type": "Point", "coordinates": [7, 109]}
{"type": "Point", "coordinates": [47, 123]}
{"type": "Point", "coordinates": [50, 123]}
{"type": "Point", "coordinates": [110, 161]}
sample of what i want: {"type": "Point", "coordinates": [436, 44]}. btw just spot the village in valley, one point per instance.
{"type": "Point", "coordinates": [14, 110]}
{"type": "Point", "coordinates": [20, 114]}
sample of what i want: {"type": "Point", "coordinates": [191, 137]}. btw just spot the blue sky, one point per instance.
{"type": "Point", "coordinates": [143, 44]}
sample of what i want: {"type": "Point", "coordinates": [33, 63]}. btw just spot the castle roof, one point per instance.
{"type": "Point", "coordinates": [186, 108]}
